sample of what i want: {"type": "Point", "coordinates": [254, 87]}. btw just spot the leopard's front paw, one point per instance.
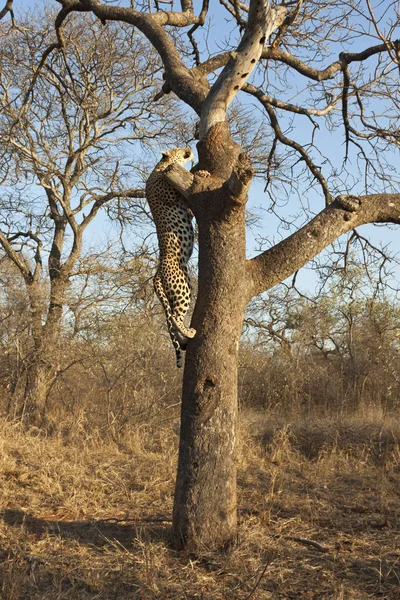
{"type": "Point", "coordinates": [203, 173]}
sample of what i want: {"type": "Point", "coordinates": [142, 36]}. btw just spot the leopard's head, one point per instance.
{"type": "Point", "coordinates": [177, 155]}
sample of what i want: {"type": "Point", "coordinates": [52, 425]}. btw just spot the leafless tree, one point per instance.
{"type": "Point", "coordinates": [67, 144]}
{"type": "Point", "coordinates": [358, 90]}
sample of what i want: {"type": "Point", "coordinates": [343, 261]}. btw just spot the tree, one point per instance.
{"type": "Point", "coordinates": [66, 124]}
{"type": "Point", "coordinates": [301, 36]}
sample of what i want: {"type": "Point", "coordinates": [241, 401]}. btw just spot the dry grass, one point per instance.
{"type": "Point", "coordinates": [85, 518]}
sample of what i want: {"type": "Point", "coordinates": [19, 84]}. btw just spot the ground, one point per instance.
{"type": "Point", "coordinates": [84, 517]}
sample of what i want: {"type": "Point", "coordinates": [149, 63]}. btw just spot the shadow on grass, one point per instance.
{"type": "Point", "coordinates": [105, 559]}
{"type": "Point", "coordinates": [367, 573]}
{"type": "Point", "coordinates": [92, 532]}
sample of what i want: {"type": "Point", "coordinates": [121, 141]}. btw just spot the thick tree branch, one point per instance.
{"type": "Point", "coordinates": [282, 260]}
{"type": "Point", "coordinates": [279, 55]}
{"type": "Point", "coordinates": [190, 88]}
{"type": "Point", "coordinates": [106, 12]}
{"type": "Point", "coordinates": [261, 23]}
{"type": "Point", "coordinates": [180, 179]}
{"type": "Point", "coordinates": [212, 64]}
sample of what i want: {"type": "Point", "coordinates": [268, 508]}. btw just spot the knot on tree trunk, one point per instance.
{"type": "Point", "coordinates": [240, 180]}
{"type": "Point", "coordinates": [217, 151]}
{"type": "Point", "coordinates": [348, 202]}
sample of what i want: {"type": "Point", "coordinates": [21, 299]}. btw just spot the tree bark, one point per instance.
{"type": "Point", "coordinates": [205, 496]}
{"type": "Point", "coordinates": [261, 22]}
{"type": "Point", "coordinates": [42, 366]}
{"type": "Point", "coordinates": [39, 379]}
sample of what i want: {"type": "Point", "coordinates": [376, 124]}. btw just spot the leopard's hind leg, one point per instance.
{"type": "Point", "coordinates": [158, 287]}
{"type": "Point", "coordinates": [177, 289]}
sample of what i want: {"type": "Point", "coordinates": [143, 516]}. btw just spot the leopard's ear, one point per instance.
{"type": "Point", "coordinates": [166, 153]}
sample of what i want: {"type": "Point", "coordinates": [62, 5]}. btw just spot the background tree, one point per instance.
{"type": "Point", "coordinates": [64, 143]}
{"type": "Point", "coordinates": [303, 37]}
{"type": "Point", "coordinates": [334, 352]}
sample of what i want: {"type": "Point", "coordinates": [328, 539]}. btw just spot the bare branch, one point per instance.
{"type": "Point", "coordinates": [105, 12]}
{"type": "Point", "coordinates": [282, 260]}
{"type": "Point", "coordinates": [261, 23]}
{"type": "Point", "coordinates": [330, 71]}
{"type": "Point", "coordinates": [55, 46]}
{"type": "Point", "coordinates": [298, 147]}
{"type": "Point", "coordinates": [178, 76]}
{"type": "Point", "coordinates": [294, 108]}
{"type": "Point", "coordinates": [345, 95]}
{"type": "Point", "coordinates": [101, 200]}
{"type": "Point", "coordinates": [16, 258]}
{"type": "Point", "coordinates": [277, 54]}
{"type": "Point", "coordinates": [191, 31]}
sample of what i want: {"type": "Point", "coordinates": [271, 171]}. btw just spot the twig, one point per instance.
{"type": "Point", "coordinates": [306, 542]}
{"type": "Point", "coordinates": [300, 149]}
{"type": "Point", "coordinates": [191, 31]}
{"type": "Point", "coordinates": [258, 581]}
{"type": "Point", "coordinates": [346, 86]}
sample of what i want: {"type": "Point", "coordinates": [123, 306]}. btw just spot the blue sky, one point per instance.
{"type": "Point", "coordinates": [269, 226]}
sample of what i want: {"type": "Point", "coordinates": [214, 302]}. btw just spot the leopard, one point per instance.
{"type": "Point", "coordinates": [175, 233]}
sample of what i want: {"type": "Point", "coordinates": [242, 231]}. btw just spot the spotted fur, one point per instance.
{"type": "Point", "coordinates": [175, 234]}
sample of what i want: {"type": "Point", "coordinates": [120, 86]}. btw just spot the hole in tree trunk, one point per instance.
{"type": "Point", "coordinates": [209, 383]}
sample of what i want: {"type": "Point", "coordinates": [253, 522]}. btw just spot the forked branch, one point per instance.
{"type": "Point", "coordinates": [345, 58]}
{"type": "Point", "coordinates": [179, 78]}
{"type": "Point", "coordinates": [16, 257]}
{"type": "Point", "coordinates": [8, 8]}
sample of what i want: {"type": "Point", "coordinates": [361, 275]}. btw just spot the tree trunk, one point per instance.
{"type": "Point", "coordinates": [39, 380]}
{"type": "Point", "coordinates": [42, 367]}
{"type": "Point", "coordinates": [205, 496]}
